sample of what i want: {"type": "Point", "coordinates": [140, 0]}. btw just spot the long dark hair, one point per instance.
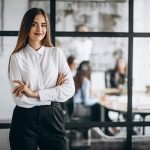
{"type": "Point", "coordinates": [25, 28]}
{"type": "Point", "coordinates": [84, 70]}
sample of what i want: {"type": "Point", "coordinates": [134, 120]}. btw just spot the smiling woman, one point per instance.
{"type": "Point", "coordinates": [40, 79]}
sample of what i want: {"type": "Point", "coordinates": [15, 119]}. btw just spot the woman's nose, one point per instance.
{"type": "Point", "coordinates": [39, 28]}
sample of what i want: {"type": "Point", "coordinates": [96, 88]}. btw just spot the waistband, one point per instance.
{"type": "Point", "coordinates": [40, 106]}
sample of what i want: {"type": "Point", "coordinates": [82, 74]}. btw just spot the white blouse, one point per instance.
{"type": "Point", "coordinates": [39, 70]}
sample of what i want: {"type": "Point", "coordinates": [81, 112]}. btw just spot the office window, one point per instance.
{"type": "Point", "coordinates": [99, 16]}
{"type": "Point", "coordinates": [1, 16]}
{"type": "Point", "coordinates": [103, 54]}
{"type": "Point", "coordinates": [44, 4]}
{"type": "Point", "coordinates": [141, 16]}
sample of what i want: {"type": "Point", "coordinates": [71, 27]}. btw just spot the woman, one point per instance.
{"type": "Point", "coordinates": [83, 93]}
{"type": "Point", "coordinates": [119, 74]}
{"type": "Point", "coordinates": [40, 79]}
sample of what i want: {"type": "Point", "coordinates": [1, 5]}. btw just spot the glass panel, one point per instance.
{"type": "Point", "coordinates": [13, 13]}
{"type": "Point", "coordinates": [108, 85]}
{"type": "Point", "coordinates": [4, 139]}
{"type": "Point", "coordinates": [5, 93]}
{"type": "Point", "coordinates": [44, 4]}
{"type": "Point", "coordinates": [141, 15]}
{"type": "Point", "coordinates": [139, 140]}
{"type": "Point", "coordinates": [141, 80]}
{"type": "Point", "coordinates": [1, 14]}
{"type": "Point", "coordinates": [100, 140]}
{"type": "Point", "coordinates": [103, 16]}
{"type": "Point", "coordinates": [96, 138]}
{"type": "Point", "coordinates": [1, 46]}
{"type": "Point", "coordinates": [17, 11]}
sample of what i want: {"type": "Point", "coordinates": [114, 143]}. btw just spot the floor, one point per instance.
{"type": "Point", "coordinates": [4, 134]}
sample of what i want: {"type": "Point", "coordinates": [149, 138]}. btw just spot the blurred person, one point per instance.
{"type": "Point", "coordinates": [118, 77]}
{"type": "Point", "coordinates": [81, 47]}
{"type": "Point", "coordinates": [40, 78]}
{"type": "Point", "coordinates": [83, 92]}
{"type": "Point", "coordinates": [71, 60]}
{"type": "Point", "coordinates": [119, 74]}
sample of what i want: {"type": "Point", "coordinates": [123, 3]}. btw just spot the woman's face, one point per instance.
{"type": "Point", "coordinates": [38, 29]}
{"type": "Point", "coordinates": [121, 66]}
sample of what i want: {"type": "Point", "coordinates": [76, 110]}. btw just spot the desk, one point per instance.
{"type": "Point", "coordinates": [140, 104]}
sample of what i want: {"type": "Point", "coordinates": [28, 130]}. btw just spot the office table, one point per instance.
{"type": "Point", "coordinates": [140, 104]}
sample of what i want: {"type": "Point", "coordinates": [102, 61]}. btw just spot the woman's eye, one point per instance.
{"type": "Point", "coordinates": [33, 24]}
{"type": "Point", "coordinates": [43, 25]}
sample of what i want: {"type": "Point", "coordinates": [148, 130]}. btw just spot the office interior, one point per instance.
{"type": "Point", "coordinates": [102, 32]}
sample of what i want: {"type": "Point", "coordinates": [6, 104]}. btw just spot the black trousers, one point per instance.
{"type": "Point", "coordinates": [40, 126]}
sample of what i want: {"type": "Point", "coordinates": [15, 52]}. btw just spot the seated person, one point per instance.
{"type": "Point", "coordinates": [72, 64]}
{"type": "Point", "coordinates": [118, 74]}
{"type": "Point", "coordinates": [83, 91]}
{"type": "Point", "coordinates": [116, 79]}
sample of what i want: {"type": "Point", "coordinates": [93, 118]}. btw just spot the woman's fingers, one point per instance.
{"type": "Point", "coordinates": [18, 81]}
{"type": "Point", "coordinates": [61, 79]}
{"type": "Point", "coordinates": [19, 87]}
{"type": "Point", "coordinates": [14, 91]}
{"type": "Point", "coordinates": [19, 90]}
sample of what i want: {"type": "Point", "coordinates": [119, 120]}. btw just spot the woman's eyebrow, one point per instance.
{"type": "Point", "coordinates": [41, 23]}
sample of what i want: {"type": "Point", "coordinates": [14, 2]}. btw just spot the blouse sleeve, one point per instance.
{"type": "Point", "coordinates": [14, 74]}
{"type": "Point", "coordinates": [64, 91]}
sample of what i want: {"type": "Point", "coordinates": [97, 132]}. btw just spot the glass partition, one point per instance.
{"type": "Point", "coordinates": [44, 4]}
{"type": "Point", "coordinates": [140, 140]}
{"type": "Point", "coordinates": [141, 80]}
{"type": "Point", "coordinates": [4, 139]}
{"type": "Point", "coordinates": [97, 16]}
{"type": "Point", "coordinates": [108, 87]}
{"type": "Point", "coordinates": [95, 138]}
{"type": "Point", "coordinates": [141, 16]}
{"type": "Point", "coordinates": [5, 93]}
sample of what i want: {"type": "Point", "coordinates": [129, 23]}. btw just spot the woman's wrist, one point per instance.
{"type": "Point", "coordinates": [35, 94]}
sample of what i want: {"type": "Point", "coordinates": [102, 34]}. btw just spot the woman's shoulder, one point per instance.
{"type": "Point", "coordinates": [55, 50]}
{"type": "Point", "coordinates": [17, 54]}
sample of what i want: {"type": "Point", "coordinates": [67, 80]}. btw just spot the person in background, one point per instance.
{"type": "Point", "coordinates": [119, 74]}
{"type": "Point", "coordinates": [83, 90]}
{"type": "Point", "coordinates": [72, 64]}
{"type": "Point", "coordinates": [81, 47]}
{"type": "Point", "coordinates": [118, 77]}
{"type": "Point", "coordinates": [40, 78]}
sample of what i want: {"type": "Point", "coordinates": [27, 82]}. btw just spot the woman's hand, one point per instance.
{"type": "Point", "coordinates": [23, 88]}
{"type": "Point", "coordinates": [61, 79]}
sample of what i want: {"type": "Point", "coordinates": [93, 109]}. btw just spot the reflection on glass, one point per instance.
{"type": "Point", "coordinates": [104, 16]}
{"type": "Point", "coordinates": [141, 16]}
{"type": "Point", "coordinates": [103, 55]}
{"type": "Point", "coordinates": [141, 80]}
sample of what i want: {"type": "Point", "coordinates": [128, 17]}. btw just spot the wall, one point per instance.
{"type": "Point", "coordinates": [13, 13]}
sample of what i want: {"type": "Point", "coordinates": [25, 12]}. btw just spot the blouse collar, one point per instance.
{"type": "Point", "coordinates": [31, 50]}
